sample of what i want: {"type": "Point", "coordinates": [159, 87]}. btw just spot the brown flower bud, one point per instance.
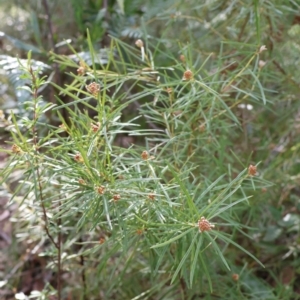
{"type": "Point", "coordinates": [100, 190]}
{"type": "Point", "coordinates": [151, 196]}
{"type": "Point", "coordinates": [202, 128]}
{"type": "Point", "coordinates": [187, 75]}
{"type": "Point", "coordinates": [93, 88]}
{"type": "Point", "coordinates": [16, 149]}
{"type": "Point", "coordinates": [82, 69]}
{"type": "Point", "coordinates": [116, 197]}
{"type": "Point", "coordinates": [182, 58]}
{"type": "Point", "coordinates": [81, 181]}
{"type": "Point", "coordinates": [139, 231]}
{"type": "Point", "coordinates": [95, 127]}
{"type": "Point", "coordinates": [235, 277]}
{"type": "Point", "coordinates": [78, 158]}
{"type": "Point", "coordinates": [169, 90]}
{"type": "Point", "coordinates": [145, 155]}
{"type": "Point", "coordinates": [252, 170]}
{"type": "Point", "coordinates": [204, 225]}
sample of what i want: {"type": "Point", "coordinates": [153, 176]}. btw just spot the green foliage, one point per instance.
{"type": "Point", "coordinates": [115, 190]}
{"type": "Point", "coordinates": [144, 183]}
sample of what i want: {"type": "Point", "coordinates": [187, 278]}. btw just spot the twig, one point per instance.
{"type": "Point", "coordinates": [49, 23]}
{"type": "Point", "coordinates": [52, 41]}
{"type": "Point", "coordinates": [59, 269]}
{"type": "Point", "coordinates": [83, 276]}
{"type": "Point", "coordinates": [35, 143]}
{"type": "Point", "coordinates": [58, 82]}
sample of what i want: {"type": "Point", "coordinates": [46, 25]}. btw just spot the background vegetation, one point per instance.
{"type": "Point", "coordinates": [150, 149]}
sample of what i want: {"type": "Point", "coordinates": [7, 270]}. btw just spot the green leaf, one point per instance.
{"type": "Point", "coordinates": [187, 253]}
{"type": "Point", "coordinates": [230, 241]}
{"type": "Point", "coordinates": [195, 260]}
{"type": "Point", "coordinates": [173, 239]}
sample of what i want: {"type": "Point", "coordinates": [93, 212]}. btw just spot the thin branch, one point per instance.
{"type": "Point", "coordinates": [83, 276]}
{"type": "Point", "coordinates": [49, 23]}
{"type": "Point", "coordinates": [59, 269]}
{"type": "Point", "coordinates": [52, 41]}
{"type": "Point", "coordinates": [35, 143]}
{"type": "Point", "coordinates": [58, 82]}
